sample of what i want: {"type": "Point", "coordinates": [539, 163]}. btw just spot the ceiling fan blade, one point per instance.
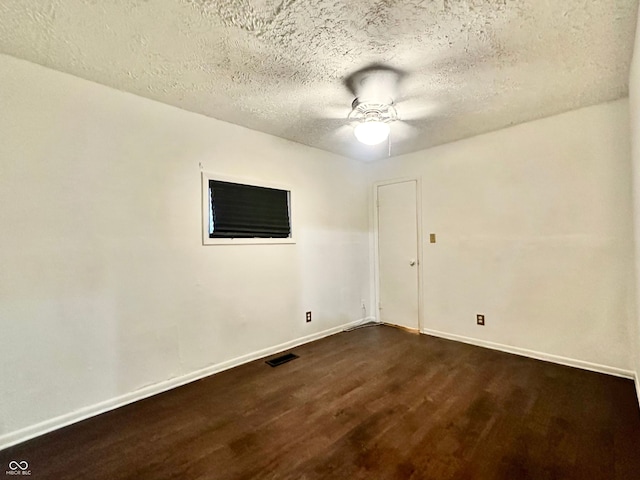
{"type": "Point", "coordinates": [332, 112]}
{"type": "Point", "coordinates": [375, 83]}
{"type": "Point", "coordinates": [417, 109]}
{"type": "Point", "coordinates": [401, 131]}
{"type": "Point", "coordinates": [344, 133]}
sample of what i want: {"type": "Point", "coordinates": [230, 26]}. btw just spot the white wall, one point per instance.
{"type": "Point", "coordinates": [105, 286]}
{"type": "Point", "coordinates": [534, 230]}
{"type": "Point", "coordinates": [634, 107]}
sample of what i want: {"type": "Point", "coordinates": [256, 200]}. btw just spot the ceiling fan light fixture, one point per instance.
{"type": "Point", "coordinates": [372, 132]}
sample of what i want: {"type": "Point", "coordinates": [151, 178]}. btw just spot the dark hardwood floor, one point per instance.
{"type": "Point", "coordinates": [375, 403]}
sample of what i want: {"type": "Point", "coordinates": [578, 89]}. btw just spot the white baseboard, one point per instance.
{"type": "Point", "coordinates": [570, 362]}
{"type": "Point", "coordinates": [360, 323]}
{"type": "Point", "coordinates": [636, 377]}
{"type": "Point", "coordinates": [56, 423]}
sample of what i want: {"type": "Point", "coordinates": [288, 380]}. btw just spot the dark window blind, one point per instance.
{"type": "Point", "coordinates": [248, 211]}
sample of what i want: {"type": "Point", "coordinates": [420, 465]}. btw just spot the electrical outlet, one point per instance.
{"type": "Point", "coordinates": [480, 319]}
{"type": "Point", "coordinates": [308, 317]}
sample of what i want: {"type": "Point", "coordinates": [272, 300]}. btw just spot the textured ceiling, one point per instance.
{"type": "Point", "coordinates": [279, 66]}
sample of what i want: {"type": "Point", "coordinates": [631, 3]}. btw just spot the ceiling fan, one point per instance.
{"type": "Point", "coordinates": [383, 106]}
{"type": "Point", "coordinates": [373, 110]}
{"type": "Point", "coordinates": [372, 120]}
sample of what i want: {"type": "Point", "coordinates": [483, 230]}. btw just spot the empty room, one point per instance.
{"type": "Point", "coordinates": [319, 239]}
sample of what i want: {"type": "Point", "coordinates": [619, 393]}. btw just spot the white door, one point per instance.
{"type": "Point", "coordinates": [398, 253]}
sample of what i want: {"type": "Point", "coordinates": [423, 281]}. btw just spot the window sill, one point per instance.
{"type": "Point", "coordinates": [247, 241]}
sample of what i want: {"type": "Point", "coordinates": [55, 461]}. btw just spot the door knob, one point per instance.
{"type": "Point", "coordinates": [412, 262]}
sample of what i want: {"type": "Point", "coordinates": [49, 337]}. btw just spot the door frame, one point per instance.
{"type": "Point", "coordinates": [376, 254]}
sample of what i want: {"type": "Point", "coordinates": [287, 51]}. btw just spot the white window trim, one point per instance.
{"type": "Point", "coordinates": [206, 240]}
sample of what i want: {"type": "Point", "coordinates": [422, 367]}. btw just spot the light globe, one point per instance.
{"type": "Point", "coordinates": [372, 132]}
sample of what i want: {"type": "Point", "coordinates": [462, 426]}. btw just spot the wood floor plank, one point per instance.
{"type": "Point", "coordinates": [374, 403]}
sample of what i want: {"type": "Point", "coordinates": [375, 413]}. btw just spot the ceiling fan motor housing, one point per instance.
{"type": "Point", "coordinates": [365, 111]}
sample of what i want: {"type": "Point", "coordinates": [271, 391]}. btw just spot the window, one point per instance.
{"type": "Point", "coordinates": [245, 213]}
